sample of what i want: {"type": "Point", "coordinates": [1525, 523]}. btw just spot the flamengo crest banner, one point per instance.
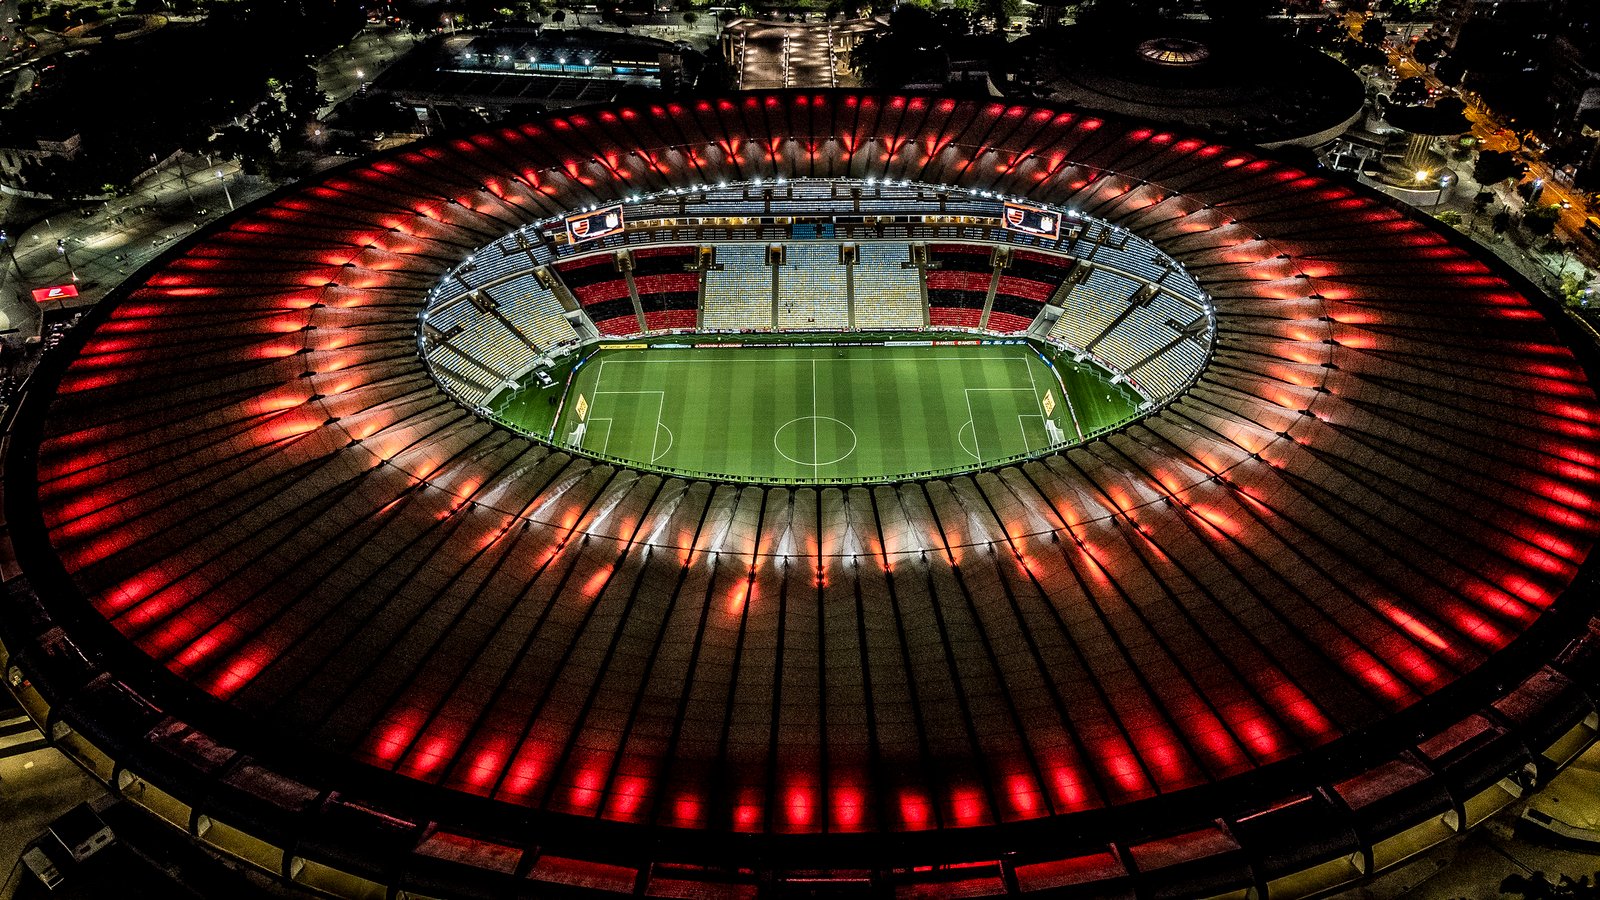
{"type": "Point", "coordinates": [591, 225]}
{"type": "Point", "coordinates": [1032, 220]}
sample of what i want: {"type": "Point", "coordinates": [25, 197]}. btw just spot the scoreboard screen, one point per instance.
{"type": "Point", "coordinates": [1032, 220]}
{"type": "Point", "coordinates": [591, 225]}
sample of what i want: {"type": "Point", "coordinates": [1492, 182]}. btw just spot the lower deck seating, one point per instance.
{"type": "Point", "coordinates": [888, 293]}
{"type": "Point", "coordinates": [619, 326]}
{"type": "Point", "coordinates": [601, 291]}
{"type": "Point", "coordinates": [1012, 313]}
{"type": "Point", "coordinates": [1008, 323]}
{"type": "Point", "coordinates": [669, 301]}
{"type": "Point", "coordinates": [667, 320]}
{"type": "Point", "coordinates": [812, 288]}
{"type": "Point", "coordinates": [954, 317]}
{"type": "Point", "coordinates": [738, 295]}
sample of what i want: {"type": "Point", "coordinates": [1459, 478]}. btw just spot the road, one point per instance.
{"type": "Point", "coordinates": [1494, 135]}
{"type": "Point", "coordinates": [792, 54]}
{"type": "Point", "coordinates": [341, 73]}
{"type": "Point", "coordinates": [781, 55]}
{"type": "Point", "coordinates": [116, 237]}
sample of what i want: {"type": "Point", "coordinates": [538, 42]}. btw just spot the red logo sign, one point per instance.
{"type": "Point", "coordinates": [592, 225]}
{"type": "Point", "coordinates": [1032, 219]}
{"type": "Point", "coordinates": [55, 292]}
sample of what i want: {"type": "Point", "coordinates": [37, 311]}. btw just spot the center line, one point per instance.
{"type": "Point", "coordinates": [814, 456]}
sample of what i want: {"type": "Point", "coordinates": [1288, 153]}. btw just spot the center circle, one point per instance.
{"type": "Point", "coordinates": [822, 430]}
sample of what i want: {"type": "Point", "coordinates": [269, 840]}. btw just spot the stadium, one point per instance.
{"type": "Point", "coordinates": [817, 494]}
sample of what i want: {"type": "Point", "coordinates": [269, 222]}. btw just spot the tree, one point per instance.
{"type": "Point", "coordinates": [1119, 14]}
{"type": "Point", "coordinates": [1494, 166]}
{"type": "Point", "coordinates": [690, 18]}
{"type": "Point", "coordinates": [1575, 288]}
{"type": "Point", "coordinates": [1410, 9]}
{"type": "Point", "coordinates": [559, 16]}
{"type": "Point", "coordinates": [1428, 50]}
{"type": "Point", "coordinates": [1000, 11]}
{"type": "Point", "coordinates": [1328, 33]}
{"type": "Point", "coordinates": [1480, 205]}
{"type": "Point", "coordinates": [1501, 223]}
{"type": "Point", "coordinates": [250, 146]}
{"type": "Point", "coordinates": [484, 12]}
{"type": "Point", "coordinates": [1410, 91]}
{"type": "Point", "coordinates": [1373, 32]}
{"type": "Point", "coordinates": [1241, 10]}
{"type": "Point", "coordinates": [1450, 71]}
{"type": "Point", "coordinates": [302, 99]}
{"type": "Point", "coordinates": [1450, 217]}
{"type": "Point", "coordinates": [1541, 220]}
{"type": "Point", "coordinates": [953, 20]}
{"type": "Point", "coordinates": [1361, 56]}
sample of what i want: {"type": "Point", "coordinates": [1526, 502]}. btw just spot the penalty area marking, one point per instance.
{"type": "Point", "coordinates": [607, 442]}
{"type": "Point", "coordinates": [972, 422]}
{"type": "Point", "coordinates": [655, 433]}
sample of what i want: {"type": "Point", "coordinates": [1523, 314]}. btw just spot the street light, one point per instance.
{"type": "Point", "coordinates": [225, 191]}
{"type": "Point", "coordinates": [11, 248]}
{"type": "Point", "coordinates": [61, 248]}
{"type": "Point", "coordinates": [182, 176]}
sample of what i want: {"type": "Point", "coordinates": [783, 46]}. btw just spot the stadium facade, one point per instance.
{"type": "Point", "coordinates": [1325, 604]}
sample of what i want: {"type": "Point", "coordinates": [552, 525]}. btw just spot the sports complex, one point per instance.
{"type": "Point", "coordinates": [822, 494]}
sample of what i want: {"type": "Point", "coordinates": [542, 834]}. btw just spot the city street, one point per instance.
{"type": "Point", "coordinates": [120, 235]}
{"type": "Point", "coordinates": [116, 238]}
{"type": "Point", "coordinates": [1494, 135]}
{"type": "Point", "coordinates": [788, 55]}
{"type": "Point", "coordinates": [341, 73]}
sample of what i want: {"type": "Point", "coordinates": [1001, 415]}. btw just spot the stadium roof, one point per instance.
{"type": "Point", "coordinates": [273, 571]}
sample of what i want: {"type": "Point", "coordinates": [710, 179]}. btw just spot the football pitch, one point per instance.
{"type": "Point", "coordinates": [796, 412]}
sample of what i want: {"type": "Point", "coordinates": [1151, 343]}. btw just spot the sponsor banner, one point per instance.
{"type": "Point", "coordinates": [624, 346]}
{"type": "Point", "coordinates": [581, 408]}
{"type": "Point", "coordinates": [1049, 403]}
{"type": "Point", "coordinates": [594, 225]}
{"type": "Point", "coordinates": [1032, 220]}
{"type": "Point", "coordinates": [54, 292]}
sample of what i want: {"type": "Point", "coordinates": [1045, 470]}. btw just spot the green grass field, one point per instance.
{"type": "Point", "coordinates": [817, 413]}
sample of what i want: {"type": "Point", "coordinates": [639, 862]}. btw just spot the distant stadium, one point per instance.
{"type": "Point", "coordinates": [813, 493]}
